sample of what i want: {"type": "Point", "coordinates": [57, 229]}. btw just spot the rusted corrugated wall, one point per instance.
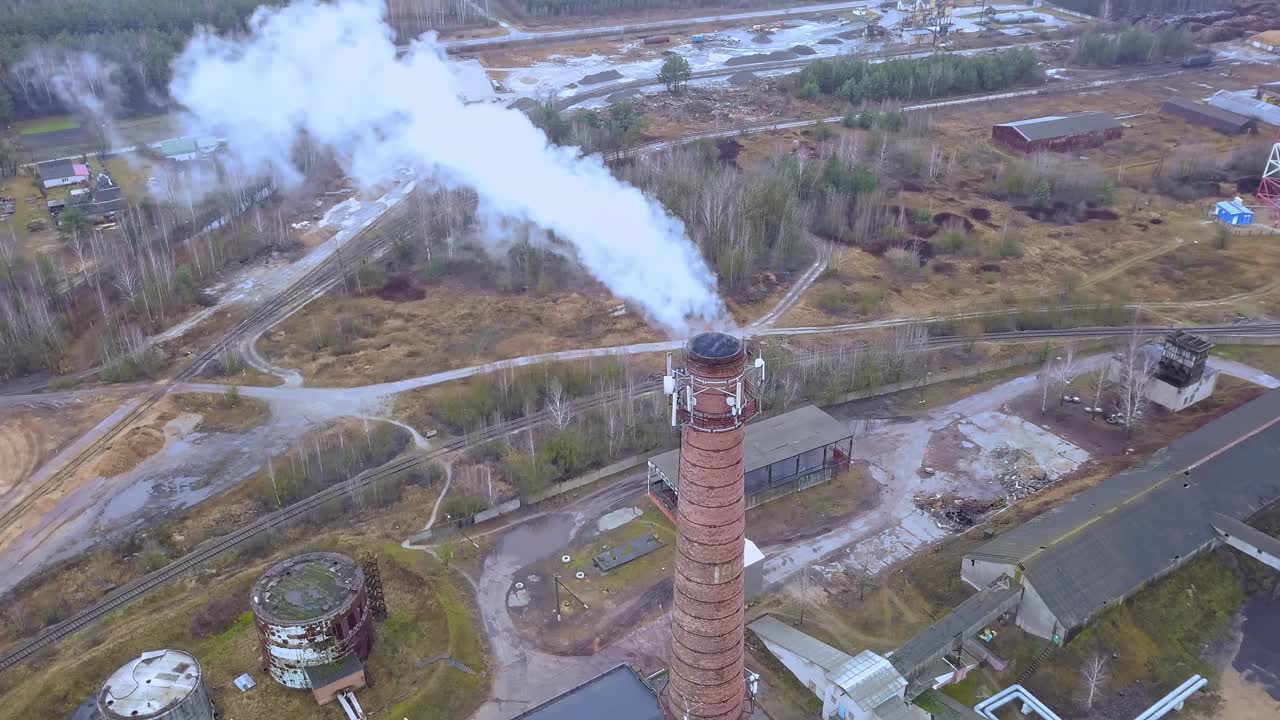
{"type": "Point", "coordinates": [706, 681]}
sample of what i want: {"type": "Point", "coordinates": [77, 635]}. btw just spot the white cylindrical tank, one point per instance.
{"type": "Point", "coordinates": [158, 685]}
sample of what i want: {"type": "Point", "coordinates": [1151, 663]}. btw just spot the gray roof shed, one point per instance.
{"type": "Point", "coordinates": [1056, 126]}
{"type": "Point", "coordinates": [1223, 121]}
{"type": "Point", "coordinates": [1105, 543]}
{"type": "Point", "coordinates": [772, 440]}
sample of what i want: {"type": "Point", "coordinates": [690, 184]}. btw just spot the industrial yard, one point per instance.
{"type": "Point", "coordinates": [647, 361]}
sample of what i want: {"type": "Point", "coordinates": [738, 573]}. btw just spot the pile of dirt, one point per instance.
{"type": "Point", "coordinates": [803, 50]}
{"type": "Point", "coordinates": [775, 56]}
{"type": "Point", "coordinates": [1018, 472]}
{"type": "Point", "coordinates": [830, 41]}
{"type": "Point", "coordinates": [596, 78]}
{"type": "Point", "coordinates": [124, 453]}
{"type": "Point", "coordinates": [400, 288]}
{"type": "Point", "coordinates": [954, 512]}
{"type": "Point", "coordinates": [761, 38]}
{"type": "Point", "coordinates": [742, 79]}
{"type": "Point", "coordinates": [623, 95]}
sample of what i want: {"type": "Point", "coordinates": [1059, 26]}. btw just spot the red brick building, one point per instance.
{"type": "Point", "coordinates": [1056, 133]}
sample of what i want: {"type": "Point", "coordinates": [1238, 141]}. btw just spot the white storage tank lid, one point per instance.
{"type": "Point", "coordinates": [154, 682]}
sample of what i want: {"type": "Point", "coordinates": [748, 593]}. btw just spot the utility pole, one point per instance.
{"type": "Point", "coordinates": [804, 597]}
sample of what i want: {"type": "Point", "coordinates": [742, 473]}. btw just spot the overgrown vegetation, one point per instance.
{"type": "Point", "coordinates": [859, 80]}
{"type": "Point", "coordinates": [1131, 47]}
{"type": "Point", "coordinates": [1051, 180]}
{"type": "Point", "coordinates": [329, 457]}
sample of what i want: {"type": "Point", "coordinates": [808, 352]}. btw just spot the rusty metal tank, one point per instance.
{"type": "Point", "coordinates": [311, 611]}
{"type": "Point", "coordinates": [707, 652]}
{"type": "Point", "coordinates": [158, 685]}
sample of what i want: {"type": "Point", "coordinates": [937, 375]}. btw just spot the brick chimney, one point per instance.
{"type": "Point", "coordinates": [714, 401]}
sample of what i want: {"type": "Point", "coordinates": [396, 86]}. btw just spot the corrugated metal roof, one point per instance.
{"type": "Point", "coordinates": [773, 439]}
{"type": "Point", "coordinates": [1109, 540]}
{"type": "Point", "coordinates": [977, 609]}
{"type": "Point", "coordinates": [1244, 103]}
{"type": "Point", "coordinates": [812, 649]}
{"type": "Point", "coordinates": [1056, 126]}
{"type": "Point", "coordinates": [1233, 207]}
{"type": "Point", "coordinates": [896, 708]}
{"type": "Point", "coordinates": [869, 679]}
{"type": "Point", "coordinates": [617, 694]}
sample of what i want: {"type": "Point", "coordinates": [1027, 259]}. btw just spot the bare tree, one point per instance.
{"type": "Point", "coordinates": [862, 580]}
{"type": "Point", "coordinates": [558, 405]}
{"type": "Point", "coordinates": [1067, 368]}
{"type": "Point", "coordinates": [1094, 674]}
{"type": "Point", "coordinates": [1098, 383]}
{"type": "Point", "coordinates": [1137, 366]}
{"type": "Point", "coordinates": [1045, 378]}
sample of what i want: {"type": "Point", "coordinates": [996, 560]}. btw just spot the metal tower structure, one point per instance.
{"type": "Point", "coordinates": [1269, 186]}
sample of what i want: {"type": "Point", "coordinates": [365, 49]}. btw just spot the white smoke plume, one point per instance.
{"type": "Point", "coordinates": [330, 72]}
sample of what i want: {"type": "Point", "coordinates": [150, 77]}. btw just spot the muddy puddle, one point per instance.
{"type": "Point", "coordinates": [1259, 657]}
{"type": "Point", "coordinates": [536, 539]}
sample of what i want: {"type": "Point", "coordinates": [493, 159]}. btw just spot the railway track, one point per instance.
{"type": "Point", "coordinates": [124, 595]}
{"type": "Point", "coordinates": [314, 282]}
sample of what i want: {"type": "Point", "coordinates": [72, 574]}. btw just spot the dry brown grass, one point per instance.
{"type": "Point", "coordinates": [222, 413]}
{"type": "Point", "coordinates": [456, 325]}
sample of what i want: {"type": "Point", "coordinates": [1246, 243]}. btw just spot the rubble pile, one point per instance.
{"type": "Point", "coordinates": [954, 512]}
{"type": "Point", "coordinates": [1018, 472]}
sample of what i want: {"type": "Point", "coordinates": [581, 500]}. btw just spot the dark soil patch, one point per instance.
{"type": "Point", "coordinates": [926, 231]}
{"type": "Point", "coordinates": [1248, 184]}
{"type": "Point", "coordinates": [742, 79]}
{"type": "Point", "coordinates": [1156, 221]}
{"type": "Point", "coordinates": [852, 34]}
{"type": "Point", "coordinates": [942, 267]}
{"type": "Point", "coordinates": [760, 58]}
{"type": "Point", "coordinates": [729, 150]}
{"type": "Point", "coordinates": [924, 249]}
{"type": "Point", "coordinates": [1100, 215]}
{"type": "Point", "coordinates": [1141, 226]}
{"type": "Point", "coordinates": [761, 39]}
{"type": "Point", "coordinates": [804, 50]}
{"type": "Point", "coordinates": [943, 219]}
{"type": "Point", "coordinates": [979, 213]}
{"type": "Point", "coordinates": [910, 186]}
{"type": "Point", "coordinates": [830, 41]}
{"type": "Point", "coordinates": [400, 288]}
{"type": "Point", "coordinates": [600, 77]}
{"type": "Point", "coordinates": [989, 267]}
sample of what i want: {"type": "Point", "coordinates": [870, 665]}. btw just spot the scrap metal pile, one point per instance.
{"type": "Point", "coordinates": [955, 512]}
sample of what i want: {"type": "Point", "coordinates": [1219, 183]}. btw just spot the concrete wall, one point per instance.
{"type": "Point", "coordinates": [1034, 615]}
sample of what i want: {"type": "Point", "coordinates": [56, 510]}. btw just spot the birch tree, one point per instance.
{"type": "Point", "coordinates": [1094, 674]}
{"type": "Point", "coordinates": [1137, 366]}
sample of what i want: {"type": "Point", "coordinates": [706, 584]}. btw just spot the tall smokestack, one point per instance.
{"type": "Point", "coordinates": [713, 401]}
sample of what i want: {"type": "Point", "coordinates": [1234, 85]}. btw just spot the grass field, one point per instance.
{"type": "Point", "coordinates": [40, 126]}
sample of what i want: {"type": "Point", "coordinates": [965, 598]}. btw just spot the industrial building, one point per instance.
{"type": "Point", "coordinates": [158, 685]}
{"type": "Point", "coordinates": [1106, 543]}
{"type": "Point", "coordinates": [314, 623]}
{"type": "Point", "coordinates": [1224, 121]}
{"type": "Point", "coordinates": [1056, 133]}
{"type": "Point", "coordinates": [618, 694]}
{"type": "Point", "coordinates": [1244, 103]}
{"type": "Point", "coordinates": [59, 173]}
{"type": "Point", "coordinates": [865, 686]}
{"type": "Point", "coordinates": [781, 455]}
{"type": "Point", "coordinates": [1269, 93]}
{"type": "Point", "coordinates": [1233, 212]}
{"type": "Point", "coordinates": [1182, 377]}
